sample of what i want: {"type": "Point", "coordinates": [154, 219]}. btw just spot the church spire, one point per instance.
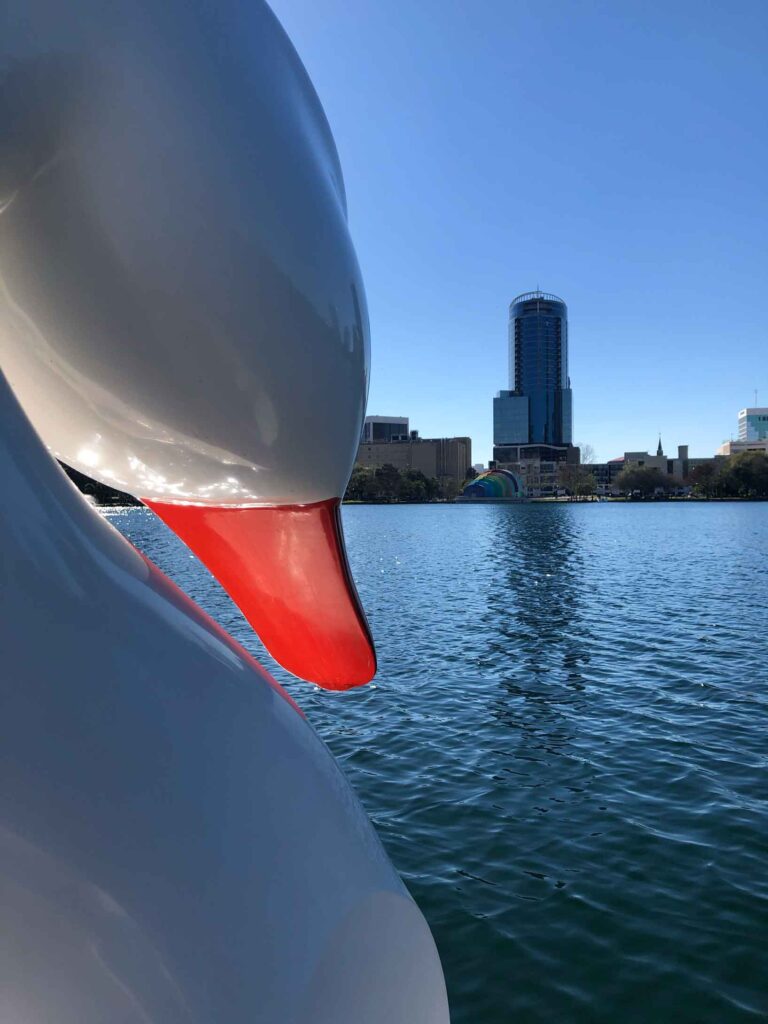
{"type": "Point", "coordinates": [659, 450]}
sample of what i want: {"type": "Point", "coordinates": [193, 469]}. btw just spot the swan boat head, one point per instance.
{"type": "Point", "coordinates": [182, 313]}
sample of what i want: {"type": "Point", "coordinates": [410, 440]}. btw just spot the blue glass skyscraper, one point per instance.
{"type": "Point", "coordinates": [537, 408]}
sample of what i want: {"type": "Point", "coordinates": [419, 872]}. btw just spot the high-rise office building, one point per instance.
{"type": "Point", "coordinates": [753, 424]}
{"type": "Point", "coordinates": [537, 408]}
{"type": "Point", "coordinates": [533, 419]}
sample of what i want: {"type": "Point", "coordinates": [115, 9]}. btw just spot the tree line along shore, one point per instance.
{"type": "Point", "coordinates": [742, 477]}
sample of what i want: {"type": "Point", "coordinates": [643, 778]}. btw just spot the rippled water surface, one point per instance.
{"type": "Point", "coordinates": [565, 749]}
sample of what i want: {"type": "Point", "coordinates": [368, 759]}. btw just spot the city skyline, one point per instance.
{"type": "Point", "coordinates": [735, 436]}
{"type": "Point", "coordinates": [607, 155]}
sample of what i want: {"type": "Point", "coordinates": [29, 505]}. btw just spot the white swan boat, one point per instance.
{"type": "Point", "coordinates": [180, 309]}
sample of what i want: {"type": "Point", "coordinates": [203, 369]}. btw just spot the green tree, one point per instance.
{"type": "Point", "coordinates": [746, 475]}
{"type": "Point", "coordinates": [578, 481]}
{"type": "Point", "coordinates": [415, 486]}
{"type": "Point", "coordinates": [388, 478]}
{"type": "Point", "coordinates": [362, 485]}
{"type": "Point", "coordinates": [412, 489]}
{"type": "Point", "coordinates": [705, 480]}
{"type": "Point", "coordinates": [587, 484]}
{"type": "Point", "coordinates": [645, 479]}
{"type": "Point", "coordinates": [740, 476]}
{"type": "Point", "coordinates": [449, 489]}
{"type": "Point", "coordinates": [433, 488]}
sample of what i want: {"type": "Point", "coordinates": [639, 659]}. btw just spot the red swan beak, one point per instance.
{"type": "Point", "coordinates": [286, 569]}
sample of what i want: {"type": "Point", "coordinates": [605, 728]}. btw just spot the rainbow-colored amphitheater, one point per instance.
{"type": "Point", "coordinates": [495, 483]}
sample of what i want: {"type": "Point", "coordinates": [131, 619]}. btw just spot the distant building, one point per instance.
{"type": "Point", "coordinates": [737, 447]}
{"type": "Point", "coordinates": [543, 452]}
{"type": "Point", "coordinates": [445, 458]}
{"type": "Point", "coordinates": [676, 468]}
{"type": "Point", "coordinates": [753, 424]}
{"type": "Point", "coordinates": [605, 474]}
{"type": "Point", "coordinates": [536, 466]}
{"type": "Point", "coordinates": [510, 418]}
{"type": "Point", "coordinates": [533, 419]}
{"type": "Point", "coordinates": [658, 461]}
{"type": "Point", "coordinates": [537, 408]}
{"type": "Point", "coordinates": [385, 428]}
{"type": "Point", "coordinates": [753, 433]}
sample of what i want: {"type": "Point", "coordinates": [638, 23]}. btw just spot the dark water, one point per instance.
{"type": "Point", "coordinates": [565, 750]}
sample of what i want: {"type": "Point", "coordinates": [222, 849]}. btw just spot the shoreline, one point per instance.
{"type": "Point", "coordinates": [565, 501]}
{"type": "Point", "coordinates": [92, 499]}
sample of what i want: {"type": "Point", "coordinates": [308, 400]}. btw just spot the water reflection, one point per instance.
{"type": "Point", "coordinates": [535, 619]}
{"type": "Point", "coordinates": [535, 608]}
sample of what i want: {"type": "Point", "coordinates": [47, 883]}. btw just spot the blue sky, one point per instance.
{"type": "Point", "coordinates": [614, 153]}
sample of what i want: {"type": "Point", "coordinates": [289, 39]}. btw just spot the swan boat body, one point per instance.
{"type": "Point", "coordinates": [176, 844]}
{"type": "Point", "coordinates": [180, 310]}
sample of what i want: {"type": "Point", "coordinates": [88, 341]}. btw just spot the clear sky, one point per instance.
{"type": "Point", "coordinates": [614, 153]}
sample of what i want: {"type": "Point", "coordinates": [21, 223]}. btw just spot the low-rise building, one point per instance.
{"type": "Point", "coordinates": [445, 458]}
{"type": "Point", "coordinates": [605, 474]}
{"type": "Point", "coordinates": [753, 433]}
{"type": "Point", "coordinates": [385, 428]}
{"type": "Point", "coordinates": [676, 469]}
{"type": "Point", "coordinates": [737, 447]}
{"type": "Point", "coordinates": [536, 465]}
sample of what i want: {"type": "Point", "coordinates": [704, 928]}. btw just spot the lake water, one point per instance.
{"type": "Point", "coordinates": [565, 748]}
